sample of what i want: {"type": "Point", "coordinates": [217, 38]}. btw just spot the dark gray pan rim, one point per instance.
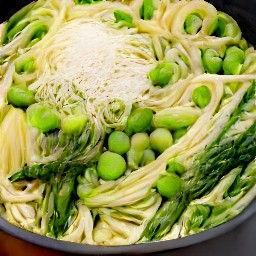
{"type": "Point", "coordinates": [149, 247]}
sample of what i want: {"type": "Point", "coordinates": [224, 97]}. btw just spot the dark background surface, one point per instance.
{"type": "Point", "coordinates": [239, 242]}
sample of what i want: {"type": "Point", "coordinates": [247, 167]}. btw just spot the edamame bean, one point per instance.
{"type": "Point", "coordinates": [212, 61]}
{"type": "Point", "coordinates": [74, 124]}
{"type": "Point", "coordinates": [139, 120]}
{"type": "Point", "coordinates": [175, 167]}
{"type": "Point", "coordinates": [176, 117]}
{"type": "Point", "coordinates": [43, 117]}
{"type": "Point", "coordinates": [233, 61]}
{"type": "Point", "coordinates": [20, 96]}
{"type": "Point", "coordinates": [161, 139]}
{"type": "Point", "coordinates": [148, 157]}
{"type": "Point", "coordinates": [169, 185]}
{"type": "Point", "coordinates": [201, 96]}
{"type": "Point", "coordinates": [26, 66]}
{"type": "Point", "coordinates": [164, 73]}
{"type": "Point", "coordinates": [193, 24]}
{"type": "Point", "coordinates": [140, 141]}
{"type": "Point", "coordinates": [118, 142]}
{"type": "Point", "coordinates": [111, 166]}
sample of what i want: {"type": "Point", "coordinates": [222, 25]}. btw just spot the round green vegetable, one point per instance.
{"type": "Point", "coordinates": [43, 117]}
{"type": "Point", "coordinates": [161, 139]}
{"type": "Point", "coordinates": [201, 96]}
{"type": "Point", "coordinates": [140, 141]}
{"type": "Point", "coordinates": [139, 120]}
{"type": "Point", "coordinates": [169, 185]}
{"type": "Point", "coordinates": [111, 166]}
{"type": "Point", "coordinates": [148, 157]}
{"type": "Point", "coordinates": [20, 96]}
{"type": "Point", "coordinates": [193, 24]}
{"type": "Point", "coordinates": [212, 61]}
{"type": "Point", "coordinates": [164, 73]}
{"type": "Point", "coordinates": [233, 61]}
{"type": "Point", "coordinates": [176, 167]}
{"type": "Point", "coordinates": [74, 124]}
{"type": "Point", "coordinates": [118, 142]}
{"type": "Point", "coordinates": [177, 134]}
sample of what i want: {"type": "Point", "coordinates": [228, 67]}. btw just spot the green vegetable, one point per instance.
{"type": "Point", "coordinates": [233, 61]}
{"type": "Point", "coordinates": [26, 66]}
{"type": "Point", "coordinates": [165, 73]}
{"type": "Point", "coordinates": [20, 96]}
{"type": "Point", "coordinates": [212, 61]}
{"type": "Point", "coordinates": [177, 134]}
{"type": "Point", "coordinates": [123, 18]}
{"type": "Point", "coordinates": [111, 166]}
{"type": "Point", "coordinates": [140, 141]}
{"type": "Point", "coordinates": [15, 24]}
{"type": "Point", "coordinates": [227, 152]}
{"type": "Point", "coordinates": [201, 96]}
{"type": "Point", "coordinates": [43, 117]}
{"type": "Point", "coordinates": [193, 24]}
{"type": "Point", "coordinates": [176, 167]}
{"type": "Point", "coordinates": [118, 142]}
{"type": "Point", "coordinates": [175, 118]}
{"type": "Point", "coordinates": [161, 139]}
{"type": "Point", "coordinates": [227, 26]}
{"type": "Point", "coordinates": [81, 2]}
{"type": "Point", "coordinates": [147, 10]}
{"type": "Point", "coordinates": [139, 120]}
{"type": "Point", "coordinates": [148, 157]}
{"type": "Point", "coordinates": [134, 159]}
{"type": "Point", "coordinates": [37, 32]}
{"type": "Point", "coordinates": [169, 185]}
{"type": "Point", "coordinates": [74, 124]}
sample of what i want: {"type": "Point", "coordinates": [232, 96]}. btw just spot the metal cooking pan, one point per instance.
{"type": "Point", "coordinates": [243, 12]}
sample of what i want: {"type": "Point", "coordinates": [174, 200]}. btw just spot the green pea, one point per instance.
{"type": "Point", "coordinates": [148, 157]}
{"type": "Point", "coordinates": [165, 73]}
{"type": "Point", "coordinates": [161, 139]}
{"type": "Point", "coordinates": [147, 10]}
{"type": "Point", "coordinates": [169, 185]}
{"type": "Point", "coordinates": [118, 142]}
{"type": "Point", "coordinates": [175, 118]}
{"type": "Point", "coordinates": [111, 166]}
{"type": "Point", "coordinates": [43, 117]}
{"type": "Point", "coordinates": [74, 124]}
{"type": "Point", "coordinates": [201, 96]}
{"type": "Point", "coordinates": [175, 167]}
{"type": "Point", "coordinates": [140, 141]}
{"type": "Point", "coordinates": [212, 61]}
{"type": "Point", "coordinates": [233, 61]}
{"type": "Point", "coordinates": [193, 24]}
{"type": "Point", "coordinates": [177, 134]}
{"type": "Point", "coordinates": [26, 66]}
{"type": "Point", "coordinates": [134, 158]}
{"type": "Point", "coordinates": [139, 120]}
{"type": "Point", "coordinates": [20, 96]}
